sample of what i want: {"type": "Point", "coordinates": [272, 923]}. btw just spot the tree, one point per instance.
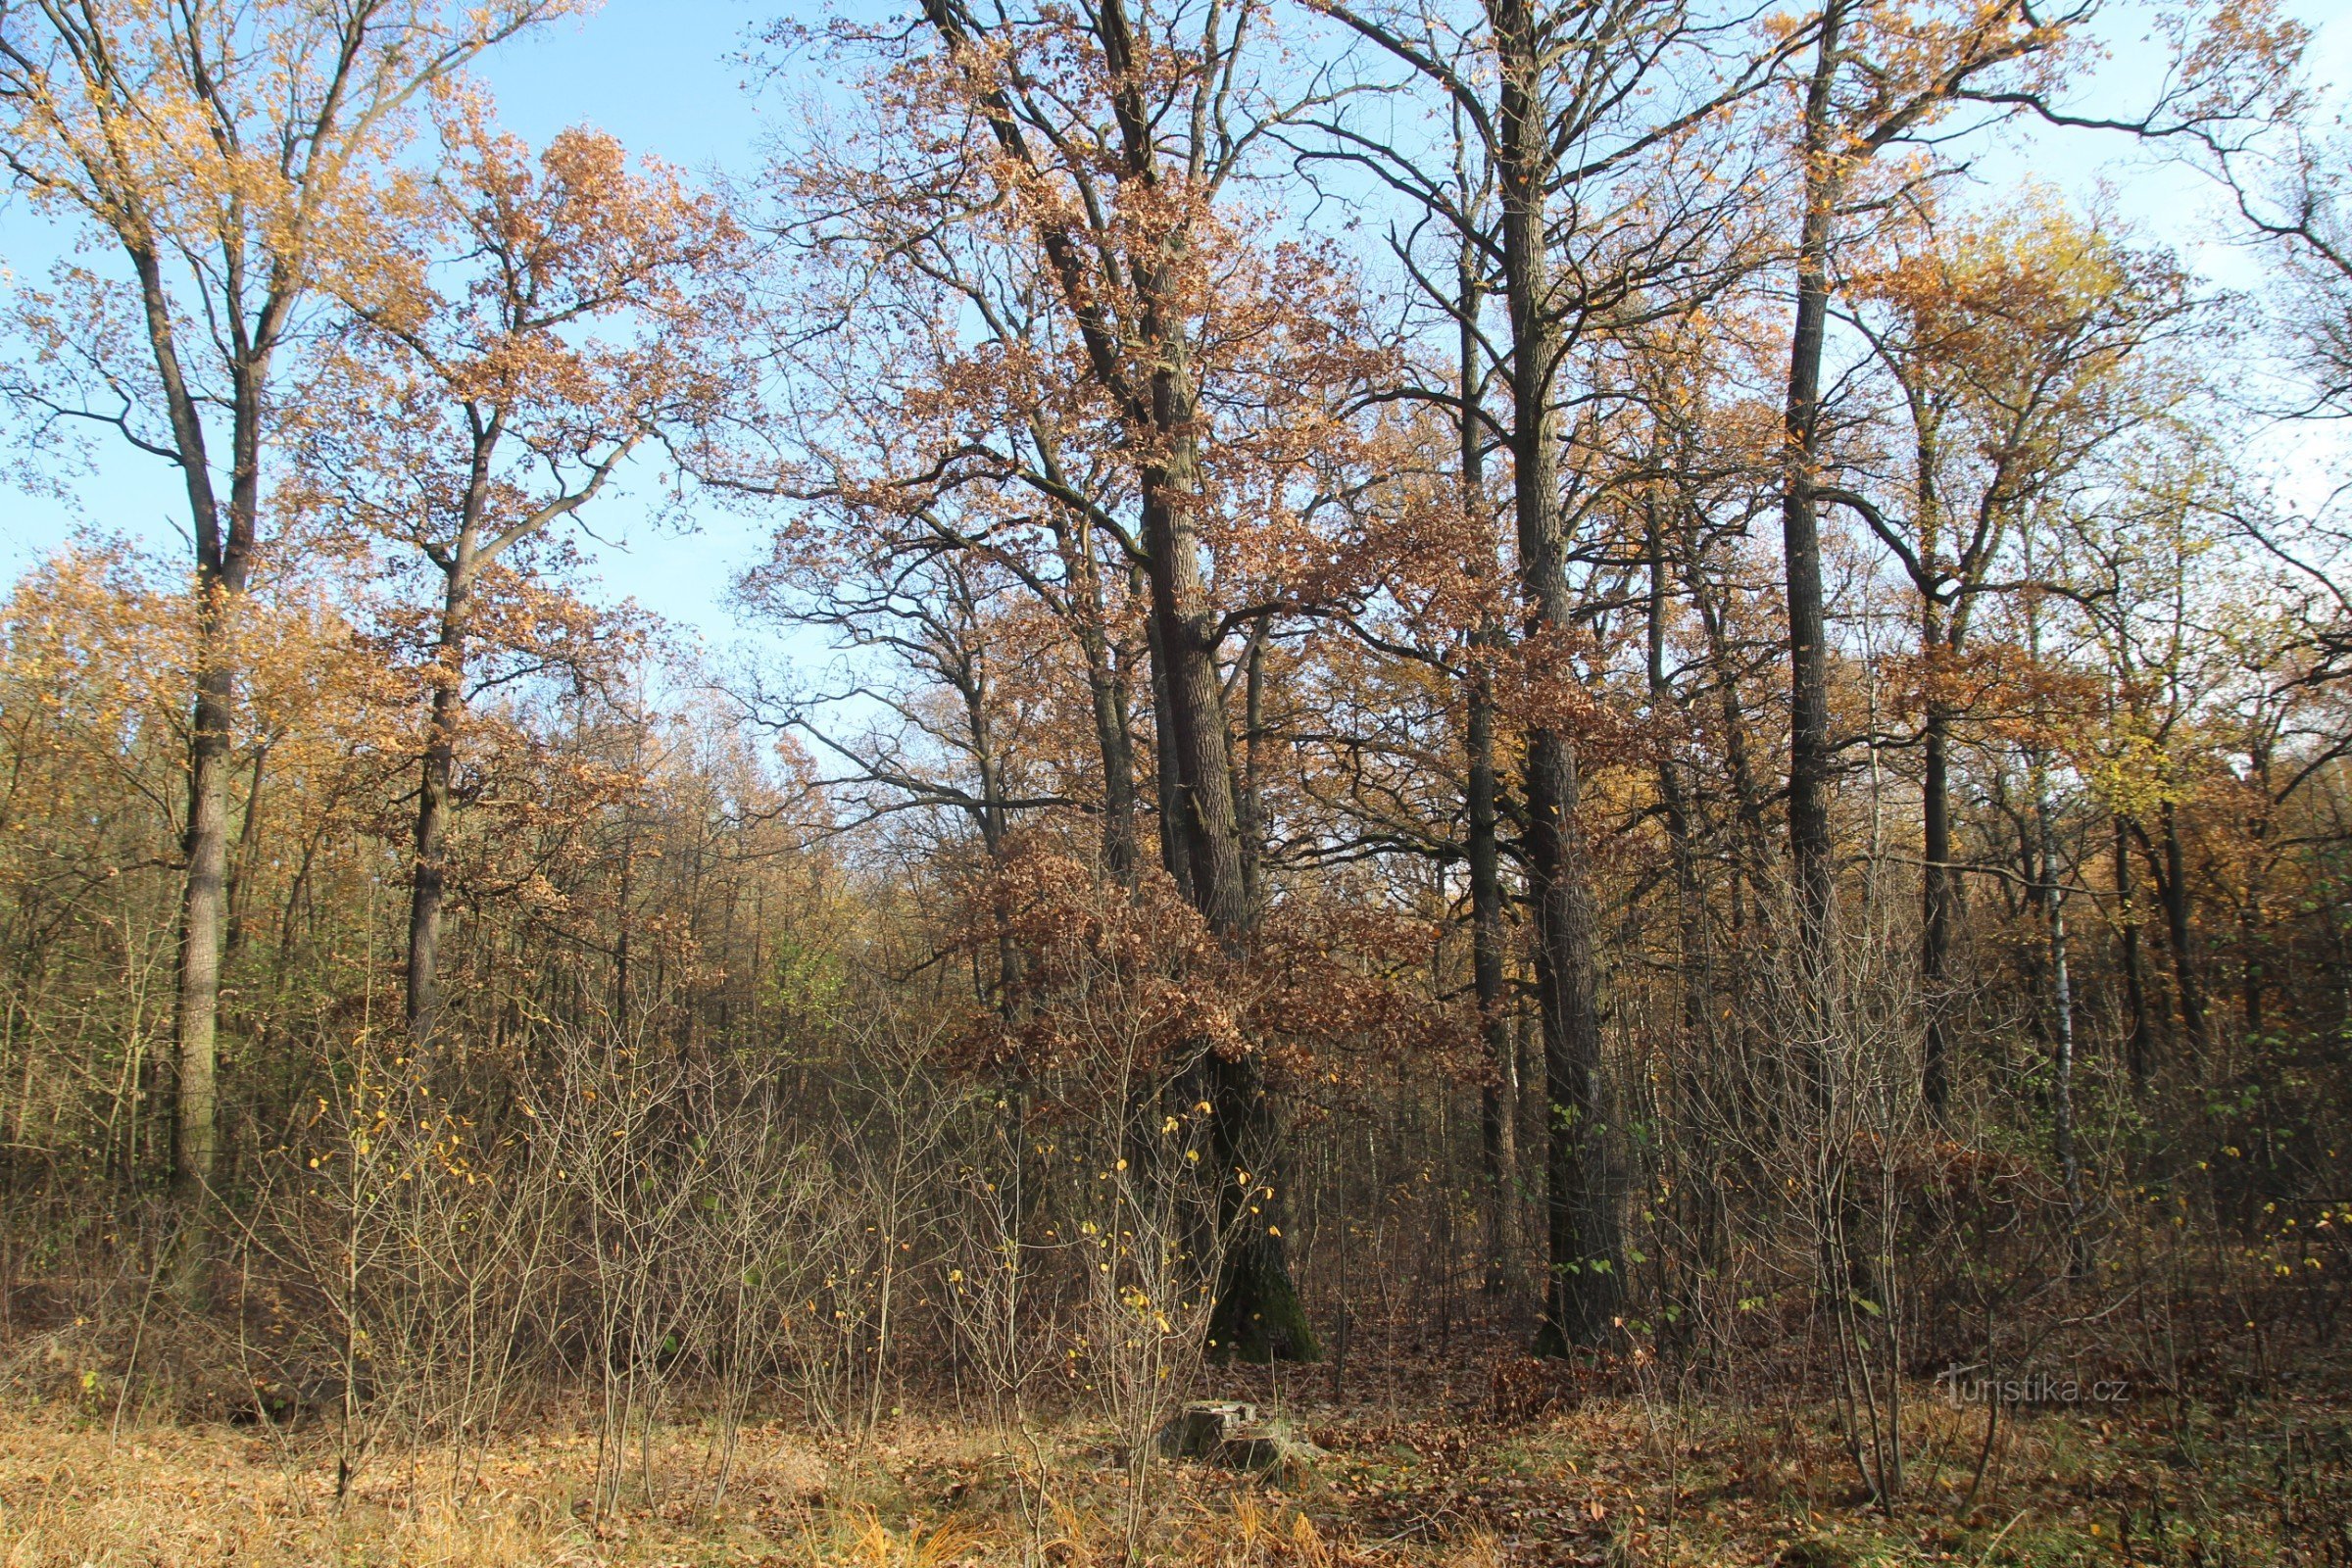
{"type": "Point", "coordinates": [1100, 150]}
{"type": "Point", "coordinates": [229, 156]}
{"type": "Point", "coordinates": [1884, 76]}
{"type": "Point", "coordinates": [2019, 347]}
{"type": "Point", "coordinates": [532, 325]}
{"type": "Point", "coordinates": [1590, 119]}
{"type": "Point", "coordinates": [1880, 75]}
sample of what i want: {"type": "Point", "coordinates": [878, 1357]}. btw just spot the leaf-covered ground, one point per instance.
{"type": "Point", "coordinates": [1439, 1478]}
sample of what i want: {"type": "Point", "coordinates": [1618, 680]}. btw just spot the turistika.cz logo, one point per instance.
{"type": "Point", "coordinates": [1976, 1384]}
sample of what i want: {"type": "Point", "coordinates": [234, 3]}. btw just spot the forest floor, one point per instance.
{"type": "Point", "coordinates": [1421, 1471]}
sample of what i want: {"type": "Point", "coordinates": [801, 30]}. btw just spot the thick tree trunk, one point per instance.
{"type": "Point", "coordinates": [1258, 1315]}
{"type": "Point", "coordinates": [223, 562]}
{"type": "Point", "coordinates": [1809, 842]}
{"type": "Point", "coordinates": [195, 1105]}
{"type": "Point", "coordinates": [224, 540]}
{"type": "Point", "coordinates": [429, 888]}
{"type": "Point", "coordinates": [1206, 819]}
{"type": "Point", "coordinates": [1167, 775]}
{"type": "Point", "coordinates": [1581, 1305]}
{"type": "Point", "coordinates": [1583, 1290]}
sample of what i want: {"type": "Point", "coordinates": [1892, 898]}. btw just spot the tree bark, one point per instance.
{"type": "Point", "coordinates": [225, 542]}
{"type": "Point", "coordinates": [1747, 793]}
{"type": "Point", "coordinates": [195, 1105]}
{"type": "Point", "coordinates": [429, 888]}
{"type": "Point", "coordinates": [1800, 521]}
{"type": "Point", "coordinates": [2136, 1051]}
{"type": "Point", "coordinates": [1108, 698]}
{"type": "Point", "coordinates": [2177, 919]}
{"type": "Point", "coordinates": [1581, 1293]}
{"type": "Point", "coordinates": [249, 849]}
{"type": "Point", "coordinates": [2061, 1020]}
{"type": "Point", "coordinates": [1939, 896]}
{"type": "Point", "coordinates": [1167, 774]}
{"type": "Point", "coordinates": [1257, 1317]}
{"type": "Point", "coordinates": [1252, 799]}
{"type": "Point", "coordinates": [1207, 823]}
{"type": "Point", "coordinates": [1499, 1099]}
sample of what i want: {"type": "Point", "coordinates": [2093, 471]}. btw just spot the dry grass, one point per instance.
{"type": "Point", "coordinates": [165, 1497]}
{"type": "Point", "coordinates": [1613, 1482]}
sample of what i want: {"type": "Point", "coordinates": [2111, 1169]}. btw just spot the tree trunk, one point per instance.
{"type": "Point", "coordinates": [1697, 1088]}
{"type": "Point", "coordinates": [1747, 793]}
{"type": "Point", "coordinates": [430, 886]}
{"type": "Point", "coordinates": [1252, 804]}
{"type": "Point", "coordinates": [1258, 1315]}
{"type": "Point", "coordinates": [1581, 1305]}
{"type": "Point", "coordinates": [224, 540]}
{"type": "Point", "coordinates": [1167, 775]}
{"type": "Point", "coordinates": [2061, 1032]}
{"type": "Point", "coordinates": [195, 1101]}
{"type": "Point", "coordinates": [1108, 698]}
{"type": "Point", "coordinates": [1145, 364]}
{"type": "Point", "coordinates": [2252, 982]}
{"type": "Point", "coordinates": [1109, 701]}
{"type": "Point", "coordinates": [1800, 524]}
{"type": "Point", "coordinates": [1498, 1100]}
{"type": "Point", "coordinates": [2174, 891]}
{"type": "Point", "coordinates": [249, 849]}
{"type": "Point", "coordinates": [1207, 823]}
{"type": "Point", "coordinates": [1582, 1294]}
{"type": "Point", "coordinates": [1939, 897]}
{"type": "Point", "coordinates": [2135, 995]}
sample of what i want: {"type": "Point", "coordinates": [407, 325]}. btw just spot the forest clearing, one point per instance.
{"type": "Point", "coordinates": [1082, 782]}
{"type": "Point", "coordinates": [1430, 1473]}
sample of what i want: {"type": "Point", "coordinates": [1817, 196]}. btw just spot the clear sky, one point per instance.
{"type": "Point", "coordinates": [670, 77]}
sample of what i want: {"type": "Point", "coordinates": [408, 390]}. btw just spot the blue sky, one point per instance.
{"type": "Point", "coordinates": [668, 78]}
{"type": "Point", "coordinates": [657, 74]}
{"type": "Point", "coordinates": [664, 77]}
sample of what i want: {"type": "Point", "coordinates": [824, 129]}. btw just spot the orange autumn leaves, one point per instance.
{"type": "Point", "coordinates": [1109, 980]}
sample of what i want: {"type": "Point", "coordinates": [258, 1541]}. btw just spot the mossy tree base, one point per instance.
{"type": "Point", "coordinates": [1259, 1316]}
{"type": "Point", "coordinates": [1580, 1317]}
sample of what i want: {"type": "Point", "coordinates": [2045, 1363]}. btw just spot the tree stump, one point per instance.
{"type": "Point", "coordinates": [1199, 1430]}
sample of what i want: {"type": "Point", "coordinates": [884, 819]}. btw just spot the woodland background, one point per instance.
{"type": "Point", "coordinates": [1521, 700]}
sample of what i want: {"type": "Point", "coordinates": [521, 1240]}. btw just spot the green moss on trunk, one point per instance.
{"type": "Point", "coordinates": [1259, 1316]}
